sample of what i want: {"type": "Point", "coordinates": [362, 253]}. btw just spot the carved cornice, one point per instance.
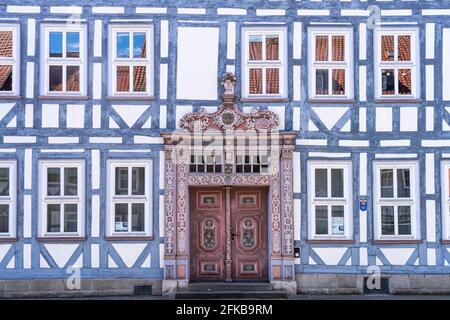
{"type": "Point", "coordinates": [230, 118]}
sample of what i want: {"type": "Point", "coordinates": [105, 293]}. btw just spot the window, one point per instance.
{"type": "Point", "coordinates": [264, 63]}
{"type": "Point", "coordinates": [205, 163]}
{"type": "Point", "coordinates": [62, 198]}
{"type": "Point", "coordinates": [331, 63]}
{"type": "Point", "coordinates": [252, 163]}
{"type": "Point", "coordinates": [397, 57]}
{"type": "Point", "coordinates": [7, 199]}
{"type": "Point", "coordinates": [131, 68]}
{"type": "Point", "coordinates": [445, 178]}
{"type": "Point", "coordinates": [63, 59]}
{"type": "Point", "coordinates": [129, 198]}
{"type": "Point", "coordinates": [9, 60]}
{"type": "Point", "coordinates": [396, 201]}
{"type": "Point", "coordinates": [330, 200]}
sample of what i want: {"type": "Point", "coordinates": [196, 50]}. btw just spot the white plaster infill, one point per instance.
{"type": "Point", "coordinates": [353, 143]}
{"type": "Point", "coordinates": [395, 143]}
{"type": "Point", "coordinates": [108, 10]}
{"type": "Point", "coordinates": [19, 139]}
{"type": "Point", "coordinates": [231, 11]}
{"type": "Point", "coordinates": [435, 143]}
{"type": "Point", "coordinates": [23, 9]}
{"type": "Point", "coordinates": [152, 10]}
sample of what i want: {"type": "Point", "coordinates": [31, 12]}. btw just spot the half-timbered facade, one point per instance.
{"type": "Point", "coordinates": [301, 143]}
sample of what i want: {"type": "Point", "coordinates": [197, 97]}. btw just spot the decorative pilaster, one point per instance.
{"type": "Point", "coordinates": [169, 202]}
{"type": "Point", "coordinates": [228, 261]}
{"type": "Point", "coordinates": [288, 217]}
{"type": "Point", "coordinates": [276, 214]}
{"type": "Point", "coordinates": [181, 204]}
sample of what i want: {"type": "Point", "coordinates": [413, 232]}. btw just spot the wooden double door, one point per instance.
{"type": "Point", "coordinates": [228, 234]}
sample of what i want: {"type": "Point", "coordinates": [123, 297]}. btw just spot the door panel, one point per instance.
{"type": "Point", "coordinates": [207, 234]}
{"type": "Point", "coordinates": [249, 230]}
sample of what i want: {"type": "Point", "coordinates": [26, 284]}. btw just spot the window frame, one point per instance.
{"type": "Point", "coordinates": [346, 200]}
{"type": "Point", "coordinates": [14, 60]}
{"type": "Point", "coordinates": [11, 199]}
{"type": "Point", "coordinates": [445, 199]}
{"type": "Point", "coordinates": [47, 61]}
{"type": "Point", "coordinates": [413, 200]}
{"type": "Point", "coordinates": [347, 64]}
{"type": "Point", "coordinates": [79, 199]}
{"type": "Point", "coordinates": [282, 63]}
{"type": "Point", "coordinates": [112, 198]}
{"type": "Point", "coordinates": [148, 62]}
{"type": "Point", "coordinates": [414, 64]}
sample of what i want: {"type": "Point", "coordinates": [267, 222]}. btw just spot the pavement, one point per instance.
{"type": "Point", "coordinates": [292, 297]}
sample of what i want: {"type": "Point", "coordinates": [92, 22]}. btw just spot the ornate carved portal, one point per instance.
{"type": "Point", "coordinates": [252, 153]}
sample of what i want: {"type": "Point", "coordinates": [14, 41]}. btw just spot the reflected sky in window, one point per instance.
{"type": "Point", "coordinates": [56, 44]}
{"type": "Point", "coordinates": [123, 45]}
{"type": "Point", "coordinates": [73, 45]}
{"type": "Point", "coordinates": [139, 45]}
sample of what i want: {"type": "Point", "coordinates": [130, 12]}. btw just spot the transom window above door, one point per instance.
{"type": "Point", "coordinates": [252, 163]}
{"type": "Point", "coordinates": [202, 163]}
{"type": "Point", "coordinates": [264, 63]}
{"type": "Point", "coordinates": [131, 61]}
{"type": "Point", "coordinates": [397, 70]}
{"type": "Point", "coordinates": [330, 59]}
{"type": "Point", "coordinates": [63, 60]}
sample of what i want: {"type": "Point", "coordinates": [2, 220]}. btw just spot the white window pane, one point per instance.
{"type": "Point", "coordinates": [321, 184]}
{"type": "Point", "coordinates": [255, 47]}
{"type": "Point", "coordinates": [387, 82]}
{"type": "Point", "coordinates": [4, 218]}
{"type": "Point", "coordinates": [387, 220]}
{"type": "Point", "coordinates": [139, 78]}
{"type": "Point", "coordinates": [121, 181]}
{"type": "Point", "coordinates": [53, 182]}
{"type": "Point", "coordinates": [337, 220]}
{"type": "Point", "coordinates": [6, 44]}
{"type": "Point", "coordinates": [137, 224]}
{"type": "Point", "coordinates": [138, 180]}
{"type": "Point", "coordinates": [321, 48]}
{"type": "Point", "coordinates": [70, 218]}
{"type": "Point", "coordinates": [123, 45]}
{"type": "Point", "coordinates": [4, 182]}
{"type": "Point", "coordinates": [139, 45]}
{"type": "Point", "coordinates": [55, 79]}
{"type": "Point", "coordinates": [123, 79]}
{"type": "Point", "coordinates": [403, 183]}
{"type": "Point", "coordinates": [321, 220]}
{"type": "Point", "coordinates": [322, 81]}
{"type": "Point", "coordinates": [121, 217]}
{"type": "Point", "coordinates": [73, 45]}
{"type": "Point", "coordinates": [53, 218]}
{"type": "Point", "coordinates": [272, 47]}
{"type": "Point", "coordinates": [73, 78]}
{"type": "Point", "coordinates": [404, 220]}
{"type": "Point", "coordinates": [56, 44]}
{"type": "Point", "coordinates": [387, 183]}
{"type": "Point", "coordinates": [404, 48]}
{"type": "Point", "coordinates": [337, 183]}
{"type": "Point", "coordinates": [338, 48]}
{"type": "Point", "coordinates": [70, 181]}
{"type": "Point", "coordinates": [6, 77]}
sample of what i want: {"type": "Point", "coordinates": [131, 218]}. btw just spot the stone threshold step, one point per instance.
{"type": "Point", "coordinates": [231, 295]}
{"type": "Point", "coordinates": [229, 287]}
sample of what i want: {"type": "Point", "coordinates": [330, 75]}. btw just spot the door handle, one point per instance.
{"type": "Point", "coordinates": [234, 235]}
